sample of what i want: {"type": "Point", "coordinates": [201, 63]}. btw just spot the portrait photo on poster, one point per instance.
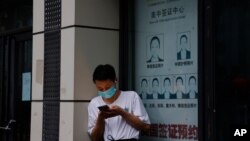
{"type": "Point", "coordinates": [167, 88]}
{"type": "Point", "coordinates": [144, 88]}
{"type": "Point", "coordinates": [183, 46]}
{"type": "Point", "coordinates": [155, 88]}
{"type": "Point", "coordinates": [192, 87]}
{"type": "Point", "coordinates": [150, 88]}
{"type": "Point", "coordinates": [155, 48]}
{"type": "Point", "coordinates": [180, 87]}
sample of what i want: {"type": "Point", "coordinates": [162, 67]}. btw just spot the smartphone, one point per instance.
{"type": "Point", "coordinates": [104, 108]}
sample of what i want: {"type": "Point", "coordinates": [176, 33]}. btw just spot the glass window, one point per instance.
{"type": "Point", "coordinates": [15, 14]}
{"type": "Point", "coordinates": [166, 66]}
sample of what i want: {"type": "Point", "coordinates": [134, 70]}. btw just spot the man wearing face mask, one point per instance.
{"type": "Point", "coordinates": [126, 116]}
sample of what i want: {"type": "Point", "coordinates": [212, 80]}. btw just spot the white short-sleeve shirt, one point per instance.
{"type": "Point", "coordinates": [117, 127]}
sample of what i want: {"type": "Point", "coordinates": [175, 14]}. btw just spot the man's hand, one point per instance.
{"type": "Point", "coordinates": [107, 114]}
{"type": "Point", "coordinates": [116, 109]}
{"type": "Point", "coordinates": [131, 119]}
{"type": "Point", "coordinates": [112, 112]}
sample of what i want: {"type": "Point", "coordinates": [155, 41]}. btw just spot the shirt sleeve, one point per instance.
{"type": "Point", "coordinates": [92, 117]}
{"type": "Point", "coordinates": [139, 109]}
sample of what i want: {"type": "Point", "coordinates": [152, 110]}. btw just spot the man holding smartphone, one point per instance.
{"type": "Point", "coordinates": [123, 119]}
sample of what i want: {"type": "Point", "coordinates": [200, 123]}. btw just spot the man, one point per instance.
{"type": "Point", "coordinates": [167, 89]}
{"type": "Point", "coordinates": [184, 53]}
{"type": "Point", "coordinates": [155, 90]}
{"type": "Point", "coordinates": [126, 116]}
{"type": "Point", "coordinates": [179, 89]}
{"type": "Point", "coordinates": [144, 88]}
{"type": "Point", "coordinates": [192, 87]}
{"type": "Point", "coordinates": [154, 50]}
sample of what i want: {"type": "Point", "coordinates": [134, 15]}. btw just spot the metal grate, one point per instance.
{"type": "Point", "coordinates": [52, 65]}
{"type": "Point", "coordinates": [52, 52]}
{"type": "Point", "coordinates": [51, 112]}
{"type": "Point", "coordinates": [52, 14]}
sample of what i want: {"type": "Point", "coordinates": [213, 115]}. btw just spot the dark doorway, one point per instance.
{"type": "Point", "coordinates": [232, 66]}
{"type": "Point", "coordinates": [15, 105]}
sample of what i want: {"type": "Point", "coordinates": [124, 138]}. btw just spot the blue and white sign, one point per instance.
{"type": "Point", "coordinates": [26, 86]}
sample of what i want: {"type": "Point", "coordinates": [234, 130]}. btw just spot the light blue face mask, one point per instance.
{"type": "Point", "coordinates": [108, 93]}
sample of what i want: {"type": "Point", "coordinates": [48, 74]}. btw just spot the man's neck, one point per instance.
{"type": "Point", "coordinates": [154, 59]}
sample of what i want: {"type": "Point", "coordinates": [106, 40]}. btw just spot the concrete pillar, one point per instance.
{"type": "Point", "coordinates": [89, 36]}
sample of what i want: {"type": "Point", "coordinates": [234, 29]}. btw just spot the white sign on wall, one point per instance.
{"type": "Point", "coordinates": [166, 67]}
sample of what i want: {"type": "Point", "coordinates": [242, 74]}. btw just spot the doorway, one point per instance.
{"type": "Point", "coordinates": [15, 85]}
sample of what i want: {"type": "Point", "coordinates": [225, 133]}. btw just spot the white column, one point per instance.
{"type": "Point", "coordinates": [89, 37]}
{"type": "Point", "coordinates": [37, 71]}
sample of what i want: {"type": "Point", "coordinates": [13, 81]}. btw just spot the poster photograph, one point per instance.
{"type": "Point", "coordinates": [166, 71]}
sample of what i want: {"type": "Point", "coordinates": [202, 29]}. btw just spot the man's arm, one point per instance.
{"type": "Point", "coordinates": [98, 131]}
{"type": "Point", "coordinates": [131, 119]}
{"type": "Point", "coordinates": [135, 122]}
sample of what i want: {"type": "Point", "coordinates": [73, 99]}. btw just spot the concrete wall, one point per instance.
{"type": "Point", "coordinates": [89, 36]}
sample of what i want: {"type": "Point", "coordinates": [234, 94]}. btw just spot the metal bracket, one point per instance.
{"type": "Point", "coordinates": [7, 126]}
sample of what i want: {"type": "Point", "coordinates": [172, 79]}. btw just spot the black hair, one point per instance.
{"type": "Point", "coordinates": [180, 79]}
{"type": "Point", "coordinates": [192, 77]}
{"type": "Point", "coordinates": [165, 79]}
{"type": "Point", "coordinates": [183, 36]}
{"type": "Point", "coordinates": [144, 80]}
{"type": "Point", "coordinates": [155, 79]}
{"type": "Point", "coordinates": [155, 38]}
{"type": "Point", "coordinates": [104, 72]}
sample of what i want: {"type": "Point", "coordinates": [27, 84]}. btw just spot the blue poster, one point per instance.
{"type": "Point", "coordinates": [26, 86]}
